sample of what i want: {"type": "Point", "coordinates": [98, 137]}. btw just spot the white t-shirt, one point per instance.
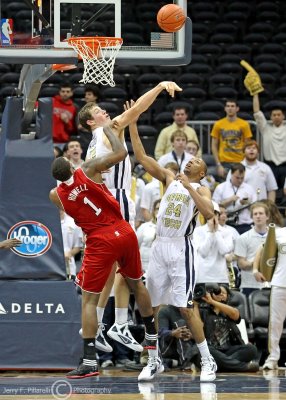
{"type": "Point", "coordinates": [279, 276]}
{"type": "Point", "coordinates": [246, 245]}
{"type": "Point", "coordinates": [226, 189]}
{"type": "Point", "coordinates": [151, 192]}
{"type": "Point", "coordinates": [212, 248]}
{"type": "Point", "coordinates": [260, 177]}
{"type": "Point", "coordinates": [274, 139]}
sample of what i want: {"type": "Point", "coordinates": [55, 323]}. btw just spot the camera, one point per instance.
{"type": "Point", "coordinates": [202, 288]}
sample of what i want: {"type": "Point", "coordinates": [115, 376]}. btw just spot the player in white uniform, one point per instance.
{"type": "Point", "coordinates": [171, 270]}
{"type": "Point", "coordinates": [277, 306]}
{"type": "Point", "coordinates": [118, 180]}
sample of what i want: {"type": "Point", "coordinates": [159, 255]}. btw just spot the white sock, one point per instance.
{"type": "Point", "coordinates": [121, 315]}
{"type": "Point", "coordinates": [99, 312]}
{"type": "Point", "coordinates": [204, 349]}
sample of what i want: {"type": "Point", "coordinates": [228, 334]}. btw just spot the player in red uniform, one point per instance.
{"type": "Point", "coordinates": [109, 238]}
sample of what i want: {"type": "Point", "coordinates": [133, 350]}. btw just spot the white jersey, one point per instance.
{"type": "Point", "coordinates": [279, 276]}
{"type": "Point", "coordinates": [118, 178]}
{"type": "Point", "coordinates": [177, 216]}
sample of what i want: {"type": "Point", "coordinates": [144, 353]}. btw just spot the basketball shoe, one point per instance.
{"type": "Point", "coordinates": [100, 341]}
{"type": "Point", "coordinates": [154, 367]}
{"type": "Point", "coordinates": [86, 368]}
{"type": "Point", "coordinates": [121, 333]}
{"type": "Point", "coordinates": [208, 369]}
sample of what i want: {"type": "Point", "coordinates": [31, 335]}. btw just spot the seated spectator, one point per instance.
{"type": "Point", "coordinates": [64, 114]}
{"type": "Point", "coordinates": [73, 152]}
{"type": "Point", "coordinates": [178, 154]}
{"type": "Point", "coordinates": [258, 174]}
{"type": "Point", "coordinates": [163, 145]}
{"type": "Point", "coordinates": [146, 234]}
{"type": "Point", "coordinates": [91, 93]}
{"type": "Point", "coordinates": [192, 147]}
{"type": "Point", "coordinates": [212, 243]}
{"type": "Point", "coordinates": [175, 339]}
{"type": "Point", "coordinates": [57, 152]}
{"type": "Point", "coordinates": [223, 336]}
{"type": "Point", "coordinates": [236, 196]}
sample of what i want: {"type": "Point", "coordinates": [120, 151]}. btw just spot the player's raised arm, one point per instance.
{"type": "Point", "coordinates": [107, 161]}
{"type": "Point", "coordinates": [149, 164]}
{"type": "Point", "coordinates": [144, 102]}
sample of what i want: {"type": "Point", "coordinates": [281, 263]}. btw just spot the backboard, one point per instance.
{"type": "Point", "coordinates": [35, 31]}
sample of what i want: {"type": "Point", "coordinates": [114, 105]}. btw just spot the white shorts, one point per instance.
{"type": "Point", "coordinates": [170, 276]}
{"type": "Point", "coordinates": [127, 205]}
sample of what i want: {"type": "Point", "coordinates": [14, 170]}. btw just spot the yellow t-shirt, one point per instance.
{"type": "Point", "coordinates": [231, 136]}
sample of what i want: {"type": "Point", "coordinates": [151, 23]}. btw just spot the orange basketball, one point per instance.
{"type": "Point", "coordinates": [171, 18]}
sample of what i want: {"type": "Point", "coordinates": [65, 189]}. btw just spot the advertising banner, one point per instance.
{"type": "Point", "coordinates": [26, 212]}
{"type": "Point", "coordinates": [39, 322]}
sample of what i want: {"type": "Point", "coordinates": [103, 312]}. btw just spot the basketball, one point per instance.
{"type": "Point", "coordinates": [171, 18]}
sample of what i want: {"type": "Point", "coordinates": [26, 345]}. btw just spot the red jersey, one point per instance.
{"type": "Point", "coordinates": [90, 204]}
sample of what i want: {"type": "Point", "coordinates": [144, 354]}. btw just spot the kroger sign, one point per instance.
{"type": "Point", "coordinates": [35, 237]}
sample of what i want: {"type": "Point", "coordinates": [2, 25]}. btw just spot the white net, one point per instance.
{"type": "Point", "coordinates": [98, 55]}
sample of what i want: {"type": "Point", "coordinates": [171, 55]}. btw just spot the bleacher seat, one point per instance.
{"type": "Point", "coordinates": [115, 95]}
{"type": "Point", "coordinates": [270, 68]}
{"type": "Point", "coordinates": [239, 301]}
{"type": "Point", "coordinates": [193, 95]}
{"type": "Point", "coordinates": [184, 104]}
{"type": "Point", "coordinates": [223, 93]}
{"type": "Point", "coordinates": [221, 80]}
{"type": "Point", "coordinates": [212, 106]}
{"type": "Point", "coordinates": [112, 109]}
{"type": "Point", "coordinates": [206, 116]}
{"type": "Point", "coordinates": [188, 80]}
{"type": "Point", "coordinates": [163, 119]}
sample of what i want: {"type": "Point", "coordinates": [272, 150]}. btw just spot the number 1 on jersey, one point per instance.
{"type": "Point", "coordinates": [93, 206]}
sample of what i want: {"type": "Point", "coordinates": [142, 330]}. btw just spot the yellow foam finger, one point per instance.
{"type": "Point", "coordinates": [247, 66]}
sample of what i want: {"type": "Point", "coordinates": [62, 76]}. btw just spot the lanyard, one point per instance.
{"type": "Point", "coordinates": [176, 159]}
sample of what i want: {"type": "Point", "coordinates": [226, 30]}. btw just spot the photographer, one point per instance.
{"type": "Point", "coordinates": [223, 336]}
{"type": "Point", "coordinates": [175, 339]}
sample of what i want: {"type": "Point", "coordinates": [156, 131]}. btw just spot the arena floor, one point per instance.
{"type": "Point", "coordinates": [114, 384]}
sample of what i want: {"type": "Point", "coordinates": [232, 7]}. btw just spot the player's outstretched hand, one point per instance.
{"type": "Point", "coordinates": [9, 243]}
{"type": "Point", "coordinates": [170, 87]}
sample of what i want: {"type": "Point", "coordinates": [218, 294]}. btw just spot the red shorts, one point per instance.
{"type": "Point", "coordinates": [103, 248]}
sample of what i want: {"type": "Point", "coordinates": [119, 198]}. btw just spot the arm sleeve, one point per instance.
{"type": "Point", "coordinates": [260, 120]}
{"type": "Point", "coordinates": [240, 248]}
{"type": "Point", "coordinates": [204, 241]}
{"type": "Point", "coordinates": [215, 131]}
{"type": "Point", "coordinates": [224, 243]}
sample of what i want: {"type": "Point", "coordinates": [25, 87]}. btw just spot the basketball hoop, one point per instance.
{"type": "Point", "coordinates": [98, 55]}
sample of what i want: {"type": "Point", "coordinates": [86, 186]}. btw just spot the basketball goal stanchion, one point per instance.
{"type": "Point", "coordinates": [98, 55]}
